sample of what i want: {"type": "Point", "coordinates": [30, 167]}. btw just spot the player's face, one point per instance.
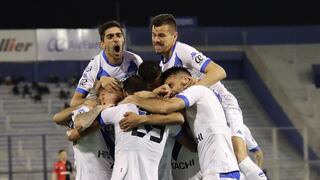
{"type": "Point", "coordinates": [177, 83]}
{"type": "Point", "coordinates": [63, 155]}
{"type": "Point", "coordinates": [106, 98]}
{"type": "Point", "coordinates": [113, 42]}
{"type": "Point", "coordinates": [163, 39]}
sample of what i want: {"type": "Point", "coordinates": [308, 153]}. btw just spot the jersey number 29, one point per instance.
{"type": "Point", "coordinates": [148, 128]}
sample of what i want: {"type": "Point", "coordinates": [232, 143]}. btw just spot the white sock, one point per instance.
{"type": "Point", "coordinates": [251, 170]}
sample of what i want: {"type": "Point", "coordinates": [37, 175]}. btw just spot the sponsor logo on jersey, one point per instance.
{"type": "Point", "coordinates": [104, 154]}
{"type": "Point", "coordinates": [88, 69]}
{"type": "Point", "coordinates": [199, 138]}
{"type": "Point", "coordinates": [182, 165]}
{"type": "Point", "coordinates": [239, 132]}
{"type": "Point", "coordinates": [199, 58]}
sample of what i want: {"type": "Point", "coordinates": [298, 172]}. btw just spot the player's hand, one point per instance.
{"type": "Point", "coordinates": [259, 158]}
{"type": "Point", "coordinates": [130, 120]}
{"type": "Point", "coordinates": [191, 82]}
{"type": "Point", "coordinates": [130, 99]}
{"type": "Point", "coordinates": [73, 135]}
{"type": "Point", "coordinates": [146, 94]}
{"type": "Point", "coordinates": [110, 84]}
{"type": "Point", "coordinates": [164, 91]}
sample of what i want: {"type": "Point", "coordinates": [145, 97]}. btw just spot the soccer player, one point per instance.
{"type": "Point", "coordinates": [178, 54]}
{"type": "Point", "coordinates": [112, 65]}
{"type": "Point", "coordinates": [138, 152]}
{"type": "Point", "coordinates": [62, 169]}
{"type": "Point", "coordinates": [177, 162]}
{"type": "Point", "coordinates": [93, 147]}
{"type": "Point", "coordinates": [206, 118]}
{"type": "Point", "coordinates": [184, 163]}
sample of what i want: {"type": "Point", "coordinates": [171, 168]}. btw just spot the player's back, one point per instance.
{"type": "Point", "coordinates": [93, 159]}
{"type": "Point", "coordinates": [207, 120]}
{"type": "Point", "coordinates": [137, 152]}
{"type": "Point", "coordinates": [206, 115]}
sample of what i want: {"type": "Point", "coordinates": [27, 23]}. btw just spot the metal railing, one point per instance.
{"type": "Point", "coordinates": [28, 155]}
{"type": "Point", "coordinates": [281, 157]}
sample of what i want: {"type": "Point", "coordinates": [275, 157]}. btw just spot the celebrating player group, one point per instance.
{"type": "Point", "coordinates": [170, 119]}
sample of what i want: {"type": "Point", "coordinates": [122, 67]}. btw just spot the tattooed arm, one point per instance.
{"type": "Point", "coordinates": [84, 120]}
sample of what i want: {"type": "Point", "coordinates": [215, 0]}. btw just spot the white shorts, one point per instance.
{"type": "Point", "coordinates": [233, 114]}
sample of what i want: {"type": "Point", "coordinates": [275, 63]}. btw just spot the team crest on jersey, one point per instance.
{"type": "Point", "coordinates": [83, 82]}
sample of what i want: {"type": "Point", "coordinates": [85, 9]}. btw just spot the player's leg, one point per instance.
{"type": "Point", "coordinates": [235, 120]}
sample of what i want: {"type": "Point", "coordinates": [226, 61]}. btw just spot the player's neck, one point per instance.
{"type": "Point", "coordinates": [166, 56]}
{"type": "Point", "coordinates": [114, 60]}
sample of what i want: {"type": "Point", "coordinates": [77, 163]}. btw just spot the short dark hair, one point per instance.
{"type": "Point", "coordinates": [61, 150]}
{"type": "Point", "coordinates": [134, 84]}
{"type": "Point", "coordinates": [173, 71]}
{"type": "Point", "coordinates": [149, 70]}
{"type": "Point", "coordinates": [164, 19]}
{"type": "Point", "coordinates": [107, 25]}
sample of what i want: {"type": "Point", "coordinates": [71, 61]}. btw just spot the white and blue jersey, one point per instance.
{"type": "Point", "coordinates": [93, 154]}
{"type": "Point", "coordinates": [188, 57]}
{"type": "Point", "coordinates": [100, 66]}
{"type": "Point", "coordinates": [137, 152]}
{"type": "Point", "coordinates": [207, 121]}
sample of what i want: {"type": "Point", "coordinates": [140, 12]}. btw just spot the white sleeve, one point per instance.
{"type": "Point", "coordinates": [89, 76]}
{"type": "Point", "coordinates": [108, 115]}
{"type": "Point", "coordinates": [252, 144]}
{"type": "Point", "coordinates": [113, 115]}
{"type": "Point", "coordinates": [192, 58]}
{"type": "Point", "coordinates": [191, 95]}
{"type": "Point", "coordinates": [138, 60]}
{"type": "Point", "coordinates": [80, 110]}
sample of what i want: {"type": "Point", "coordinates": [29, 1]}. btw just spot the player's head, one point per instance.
{"type": "Point", "coordinates": [112, 39]}
{"type": "Point", "coordinates": [150, 72]}
{"type": "Point", "coordinates": [107, 98]}
{"type": "Point", "coordinates": [62, 154]}
{"type": "Point", "coordinates": [134, 84]}
{"type": "Point", "coordinates": [164, 33]}
{"type": "Point", "coordinates": [176, 78]}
